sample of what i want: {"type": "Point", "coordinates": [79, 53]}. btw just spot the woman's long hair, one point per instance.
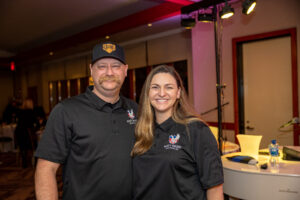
{"type": "Point", "coordinates": [182, 112]}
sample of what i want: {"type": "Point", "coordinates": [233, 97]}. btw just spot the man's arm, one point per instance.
{"type": "Point", "coordinates": [45, 180]}
{"type": "Point", "coordinates": [215, 193]}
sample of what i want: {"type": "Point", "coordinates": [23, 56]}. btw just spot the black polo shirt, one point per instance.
{"type": "Point", "coordinates": [179, 165]}
{"type": "Point", "coordinates": [92, 139]}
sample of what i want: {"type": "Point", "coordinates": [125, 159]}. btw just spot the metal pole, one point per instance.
{"type": "Point", "coordinates": [218, 85]}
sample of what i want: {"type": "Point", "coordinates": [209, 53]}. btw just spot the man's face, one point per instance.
{"type": "Point", "coordinates": [108, 75]}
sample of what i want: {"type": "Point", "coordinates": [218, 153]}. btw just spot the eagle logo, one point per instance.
{"type": "Point", "coordinates": [130, 114]}
{"type": "Point", "coordinates": [173, 139]}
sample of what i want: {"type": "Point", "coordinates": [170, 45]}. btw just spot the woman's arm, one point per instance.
{"type": "Point", "coordinates": [215, 193]}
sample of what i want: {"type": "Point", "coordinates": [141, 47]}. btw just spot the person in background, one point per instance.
{"type": "Point", "coordinates": [175, 155]}
{"type": "Point", "coordinates": [40, 116]}
{"type": "Point", "coordinates": [25, 132]}
{"type": "Point", "coordinates": [91, 135]}
{"type": "Point", "coordinates": [10, 112]}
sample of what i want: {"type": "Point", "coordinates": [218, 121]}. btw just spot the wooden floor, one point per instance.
{"type": "Point", "coordinates": [17, 183]}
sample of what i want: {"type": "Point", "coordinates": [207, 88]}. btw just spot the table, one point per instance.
{"type": "Point", "coordinates": [246, 181]}
{"type": "Point", "coordinates": [229, 147]}
{"type": "Point", "coordinates": [7, 131]}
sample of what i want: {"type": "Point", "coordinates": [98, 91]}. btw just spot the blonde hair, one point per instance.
{"type": "Point", "coordinates": [182, 112]}
{"type": "Point", "coordinates": [27, 104]}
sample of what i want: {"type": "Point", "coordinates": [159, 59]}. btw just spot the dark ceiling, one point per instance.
{"type": "Point", "coordinates": [30, 29]}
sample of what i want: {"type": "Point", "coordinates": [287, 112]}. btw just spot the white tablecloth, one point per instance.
{"type": "Point", "coordinates": [245, 181]}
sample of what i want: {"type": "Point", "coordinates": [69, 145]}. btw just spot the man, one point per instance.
{"type": "Point", "coordinates": [91, 136]}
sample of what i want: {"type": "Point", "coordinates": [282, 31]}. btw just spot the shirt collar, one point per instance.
{"type": "Point", "coordinates": [166, 125]}
{"type": "Point", "coordinates": [100, 104]}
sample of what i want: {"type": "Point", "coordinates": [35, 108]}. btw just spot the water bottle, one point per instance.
{"type": "Point", "coordinates": [274, 155]}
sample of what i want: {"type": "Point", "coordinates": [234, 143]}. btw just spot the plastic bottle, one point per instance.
{"type": "Point", "coordinates": [274, 155]}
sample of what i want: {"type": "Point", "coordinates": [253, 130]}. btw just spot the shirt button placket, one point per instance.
{"type": "Point", "coordinates": [156, 138]}
{"type": "Point", "coordinates": [114, 126]}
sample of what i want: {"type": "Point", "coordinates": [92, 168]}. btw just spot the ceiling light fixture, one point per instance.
{"type": "Point", "coordinates": [149, 25]}
{"type": "Point", "coordinates": [107, 37]}
{"type": "Point", "coordinates": [206, 18]}
{"type": "Point", "coordinates": [248, 6]}
{"type": "Point", "coordinates": [226, 12]}
{"type": "Point", "coordinates": [188, 23]}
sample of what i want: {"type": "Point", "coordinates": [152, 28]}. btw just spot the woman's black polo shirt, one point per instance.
{"type": "Point", "coordinates": [179, 165]}
{"type": "Point", "coordinates": [92, 140]}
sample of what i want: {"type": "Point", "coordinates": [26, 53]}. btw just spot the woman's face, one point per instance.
{"type": "Point", "coordinates": [163, 93]}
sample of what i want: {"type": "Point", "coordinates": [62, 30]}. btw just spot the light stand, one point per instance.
{"type": "Point", "coordinates": [218, 78]}
{"type": "Point", "coordinates": [204, 5]}
{"type": "Point", "coordinates": [248, 6]}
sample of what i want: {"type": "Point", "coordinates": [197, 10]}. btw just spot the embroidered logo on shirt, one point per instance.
{"type": "Point", "coordinates": [131, 116]}
{"type": "Point", "coordinates": [173, 139]}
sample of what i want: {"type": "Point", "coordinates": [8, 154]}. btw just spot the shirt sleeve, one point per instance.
{"type": "Point", "coordinates": [55, 141]}
{"type": "Point", "coordinates": [209, 164]}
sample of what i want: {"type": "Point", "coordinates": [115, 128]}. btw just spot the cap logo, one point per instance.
{"type": "Point", "coordinates": [109, 47]}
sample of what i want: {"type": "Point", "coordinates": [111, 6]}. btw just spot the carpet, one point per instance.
{"type": "Point", "coordinates": [17, 183]}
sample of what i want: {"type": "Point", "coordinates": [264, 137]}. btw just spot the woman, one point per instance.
{"type": "Point", "coordinates": [175, 155]}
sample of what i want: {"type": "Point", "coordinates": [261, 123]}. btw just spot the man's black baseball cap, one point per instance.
{"type": "Point", "coordinates": [108, 50]}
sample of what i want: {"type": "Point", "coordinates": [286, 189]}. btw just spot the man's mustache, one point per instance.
{"type": "Point", "coordinates": [109, 78]}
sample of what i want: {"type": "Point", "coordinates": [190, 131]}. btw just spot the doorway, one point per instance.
{"type": "Point", "coordinates": [266, 86]}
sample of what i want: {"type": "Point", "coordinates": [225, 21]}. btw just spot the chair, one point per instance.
{"type": "Point", "coordinates": [227, 146]}
{"type": "Point", "coordinates": [6, 140]}
{"type": "Point", "coordinates": [7, 137]}
{"type": "Point", "coordinates": [215, 131]}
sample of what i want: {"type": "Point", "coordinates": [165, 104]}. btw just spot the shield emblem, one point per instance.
{"type": "Point", "coordinates": [109, 47]}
